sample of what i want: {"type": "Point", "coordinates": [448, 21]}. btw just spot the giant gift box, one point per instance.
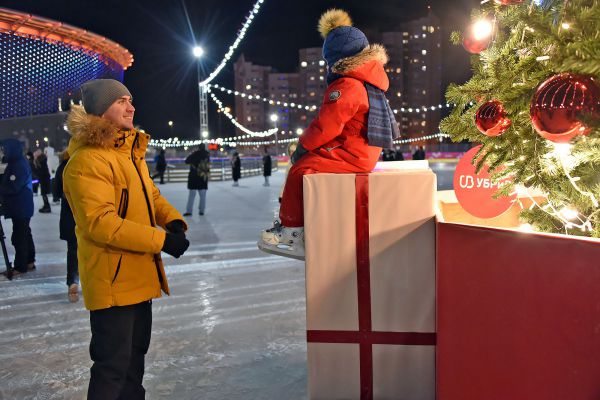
{"type": "Point", "coordinates": [370, 285]}
{"type": "Point", "coordinates": [518, 315]}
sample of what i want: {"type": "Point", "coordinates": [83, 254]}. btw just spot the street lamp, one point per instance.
{"type": "Point", "coordinates": [202, 100]}
{"type": "Point", "coordinates": [274, 119]}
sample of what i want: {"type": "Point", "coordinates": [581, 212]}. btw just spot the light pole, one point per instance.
{"type": "Point", "coordinates": [274, 119]}
{"type": "Point", "coordinates": [202, 100]}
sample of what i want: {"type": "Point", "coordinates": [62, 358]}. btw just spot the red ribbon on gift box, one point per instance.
{"type": "Point", "coordinates": [365, 337]}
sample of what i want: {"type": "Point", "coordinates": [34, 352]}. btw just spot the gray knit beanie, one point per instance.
{"type": "Point", "coordinates": [99, 94]}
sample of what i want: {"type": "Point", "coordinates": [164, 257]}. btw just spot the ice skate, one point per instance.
{"type": "Point", "coordinates": [283, 241]}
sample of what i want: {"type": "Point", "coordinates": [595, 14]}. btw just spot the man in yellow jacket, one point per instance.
{"type": "Point", "coordinates": [118, 212]}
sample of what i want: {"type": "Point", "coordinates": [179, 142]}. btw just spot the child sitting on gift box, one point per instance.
{"type": "Point", "coordinates": [355, 121]}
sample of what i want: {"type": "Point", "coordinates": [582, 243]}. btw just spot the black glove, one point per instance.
{"type": "Point", "coordinates": [300, 151]}
{"type": "Point", "coordinates": [175, 244]}
{"type": "Point", "coordinates": [175, 226]}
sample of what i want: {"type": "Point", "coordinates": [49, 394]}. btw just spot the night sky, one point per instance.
{"type": "Point", "coordinates": [163, 77]}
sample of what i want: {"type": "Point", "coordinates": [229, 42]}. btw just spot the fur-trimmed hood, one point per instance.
{"type": "Point", "coordinates": [366, 65]}
{"type": "Point", "coordinates": [88, 129]}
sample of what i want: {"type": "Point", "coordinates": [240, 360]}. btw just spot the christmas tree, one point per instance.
{"type": "Point", "coordinates": [534, 103]}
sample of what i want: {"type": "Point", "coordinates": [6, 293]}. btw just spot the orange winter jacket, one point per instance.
{"type": "Point", "coordinates": [117, 212]}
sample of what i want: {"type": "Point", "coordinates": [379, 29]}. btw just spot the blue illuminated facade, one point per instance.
{"type": "Point", "coordinates": [35, 73]}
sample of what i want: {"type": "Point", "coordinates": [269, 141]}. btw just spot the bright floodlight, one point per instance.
{"type": "Point", "coordinates": [205, 134]}
{"type": "Point", "coordinates": [482, 29]}
{"type": "Point", "coordinates": [198, 51]}
{"type": "Point", "coordinates": [274, 117]}
{"type": "Point", "coordinates": [170, 123]}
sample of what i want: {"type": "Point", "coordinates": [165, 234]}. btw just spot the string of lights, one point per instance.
{"type": "Point", "coordinates": [438, 135]}
{"type": "Point", "coordinates": [236, 123]}
{"type": "Point", "coordinates": [235, 44]}
{"type": "Point", "coordinates": [250, 96]}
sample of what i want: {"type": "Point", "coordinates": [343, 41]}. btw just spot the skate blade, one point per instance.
{"type": "Point", "coordinates": [281, 250]}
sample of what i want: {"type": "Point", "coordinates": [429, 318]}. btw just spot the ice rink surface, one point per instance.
{"type": "Point", "coordinates": [233, 328]}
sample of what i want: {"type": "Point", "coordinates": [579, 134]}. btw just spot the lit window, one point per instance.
{"type": "Point", "coordinates": [424, 52]}
{"type": "Point", "coordinates": [248, 87]}
{"type": "Point", "coordinates": [303, 64]}
{"type": "Point", "coordinates": [424, 27]}
{"type": "Point", "coordinates": [321, 78]}
{"type": "Point", "coordinates": [424, 68]}
{"type": "Point", "coordinates": [312, 94]}
{"type": "Point", "coordinates": [404, 41]}
{"type": "Point", "coordinates": [398, 94]}
{"type": "Point", "coordinates": [423, 123]}
{"type": "Point", "coordinates": [424, 91]}
{"type": "Point", "coordinates": [312, 78]}
{"type": "Point", "coordinates": [398, 70]}
{"type": "Point", "coordinates": [424, 36]}
{"type": "Point", "coordinates": [249, 118]}
{"type": "Point", "coordinates": [431, 29]}
{"type": "Point", "coordinates": [321, 63]}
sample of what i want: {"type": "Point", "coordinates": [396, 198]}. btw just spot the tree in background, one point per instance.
{"type": "Point", "coordinates": [534, 104]}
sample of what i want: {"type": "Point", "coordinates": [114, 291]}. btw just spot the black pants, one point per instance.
{"type": "Point", "coordinates": [120, 340]}
{"type": "Point", "coordinates": [72, 269]}
{"type": "Point", "coordinates": [160, 174]}
{"type": "Point", "coordinates": [23, 242]}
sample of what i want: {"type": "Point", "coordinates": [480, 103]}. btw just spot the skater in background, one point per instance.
{"type": "Point", "coordinates": [40, 165]}
{"type": "Point", "coordinates": [419, 153]}
{"type": "Point", "coordinates": [34, 179]}
{"type": "Point", "coordinates": [267, 166]}
{"type": "Point", "coordinates": [236, 168]}
{"type": "Point", "coordinates": [67, 233]}
{"type": "Point", "coordinates": [354, 123]}
{"type": "Point", "coordinates": [199, 162]}
{"type": "Point", "coordinates": [160, 165]}
{"type": "Point", "coordinates": [15, 189]}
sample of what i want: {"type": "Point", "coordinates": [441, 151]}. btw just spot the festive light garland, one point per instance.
{"type": "Point", "coordinates": [438, 135]}
{"type": "Point", "coordinates": [235, 44]}
{"type": "Point", "coordinates": [250, 96]}
{"type": "Point", "coordinates": [236, 123]}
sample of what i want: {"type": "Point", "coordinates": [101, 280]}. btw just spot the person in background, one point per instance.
{"type": "Point", "coordinates": [388, 155]}
{"type": "Point", "coordinates": [267, 166]}
{"type": "Point", "coordinates": [53, 162]}
{"type": "Point", "coordinates": [198, 176]}
{"type": "Point", "coordinates": [35, 181]}
{"type": "Point", "coordinates": [17, 195]}
{"type": "Point", "coordinates": [122, 225]}
{"type": "Point", "coordinates": [40, 165]}
{"type": "Point", "coordinates": [236, 168]}
{"type": "Point", "coordinates": [160, 164]}
{"type": "Point", "coordinates": [419, 153]}
{"type": "Point", "coordinates": [399, 156]}
{"type": "Point", "coordinates": [67, 233]}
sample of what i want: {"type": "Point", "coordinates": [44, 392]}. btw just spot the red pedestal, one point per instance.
{"type": "Point", "coordinates": [518, 315]}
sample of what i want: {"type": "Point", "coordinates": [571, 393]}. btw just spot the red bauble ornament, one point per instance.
{"type": "Point", "coordinates": [474, 45]}
{"type": "Point", "coordinates": [558, 104]}
{"type": "Point", "coordinates": [508, 2]}
{"type": "Point", "coordinates": [491, 119]}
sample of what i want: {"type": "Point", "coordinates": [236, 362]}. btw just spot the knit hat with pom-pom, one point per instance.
{"type": "Point", "coordinates": [341, 38]}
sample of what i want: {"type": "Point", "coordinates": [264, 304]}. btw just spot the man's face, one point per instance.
{"type": "Point", "coordinates": [121, 113]}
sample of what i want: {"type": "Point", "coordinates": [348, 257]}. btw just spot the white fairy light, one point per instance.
{"type": "Point", "coordinates": [235, 44]}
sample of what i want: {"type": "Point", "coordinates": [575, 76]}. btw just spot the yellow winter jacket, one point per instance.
{"type": "Point", "coordinates": [117, 210]}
